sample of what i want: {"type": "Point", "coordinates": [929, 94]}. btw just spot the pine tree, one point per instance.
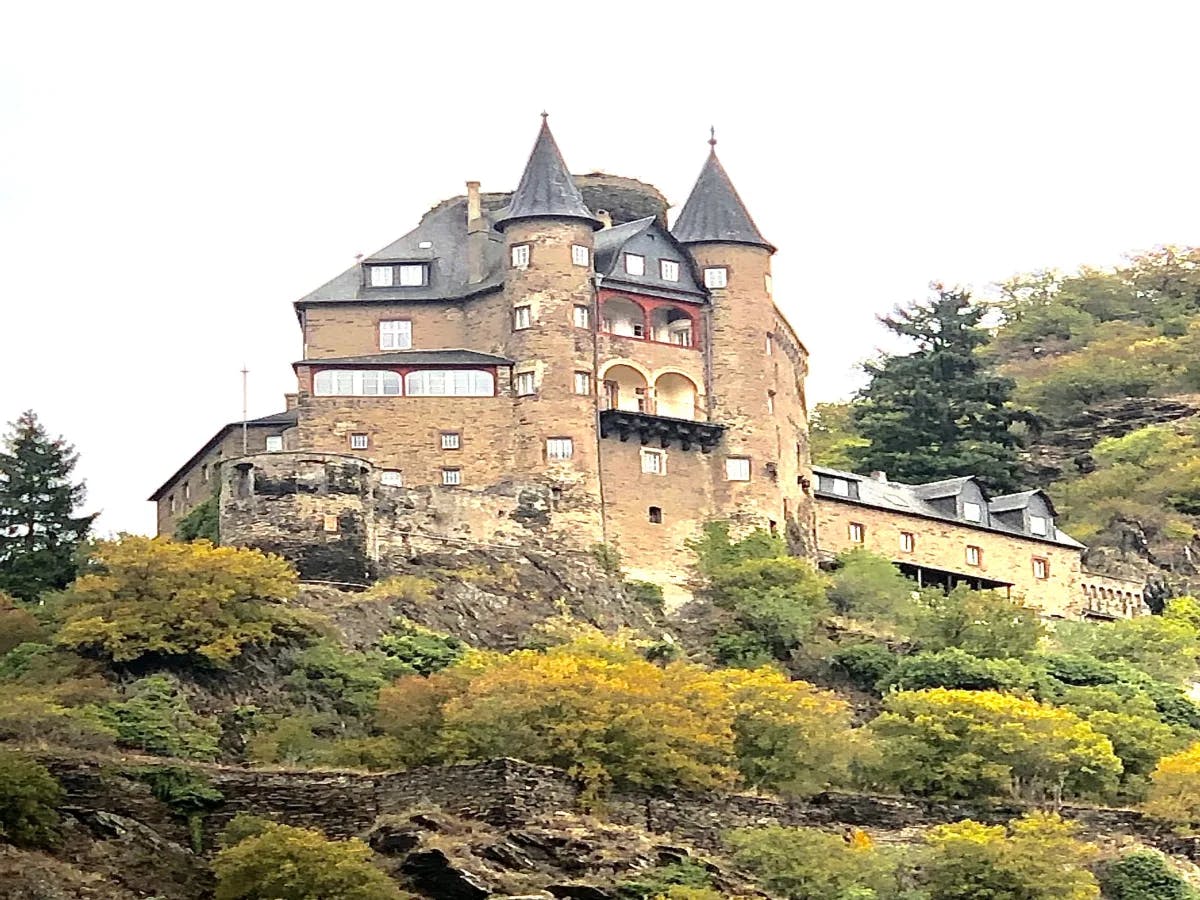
{"type": "Point", "coordinates": [938, 412]}
{"type": "Point", "coordinates": [39, 532]}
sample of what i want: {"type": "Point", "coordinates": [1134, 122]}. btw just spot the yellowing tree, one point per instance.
{"type": "Point", "coordinates": [1174, 794]}
{"type": "Point", "coordinates": [789, 736]}
{"type": "Point", "coordinates": [958, 744]}
{"type": "Point", "coordinates": [154, 597]}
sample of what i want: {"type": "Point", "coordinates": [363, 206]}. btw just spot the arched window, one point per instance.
{"type": "Point", "coordinates": [450, 383]}
{"type": "Point", "coordinates": [671, 325]}
{"type": "Point", "coordinates": [356, 383]}
{"type": "Point", "coordinates": [620, 315]}
{"type": "Point", "coordinates": [625, 388]}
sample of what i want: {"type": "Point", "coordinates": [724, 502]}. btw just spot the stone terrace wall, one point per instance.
{"type": "Point", "coordinates": [506, 793]}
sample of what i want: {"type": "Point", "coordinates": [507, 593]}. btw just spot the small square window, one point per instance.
{"type": "Point", "coordinates": [204, 472]}
{"type": "Point", "coordinates": [525, 384]}
{"type": "Point", "coordinates": [858, 532]}
{"type": "Point", "coordinates": [560, 448]}
{"type": "Point", "coordinates": [737, 468]}
{"type": "Point", "coordinates": [451, 440]}
{"type": "Point", "coordinates": [522, 318]}
{"type": "Point", "coordinates": [413, 274]}
{"type": "Point", "coordinates": [654, 462]}
{"type": "Point", "coordinates": [451, 477]}
{"type": "Point", "coordinates": [656, 515]}
{"type": "Point", "coordinates": [274, 443]}
{"type": "Point", "coordinates": [187, 491]}
{"type": "Point", "coordinates": [382, 276]}
{"type": "Point", "coordinates": [520, 256]}
{"type": "Point", "coordinates": [395, 334]}
{"type": "Point", "coordinates": [1039, 526]}
{"type": "Point", "coordinates": [1041, 568]}
{"type": "Point", "coordinates": [716, 277]}
{"type": "Point", "coordinates": [668, 269]}
{"type": "Point", "coordinates": [635, 264]}
{"type": "Point", "coordinates": [583, 317]}
{"type": "Point", "coordinates": [580, 255]}
{"type": "Point", "coordinates": [359, 442]}
{"type": "Point", "coordinates": [583, 382]}
{"type": "Point", "coordinates": [908, 541]}
{"type": "Point", "coordinates": [972, 512]}
{"type": "Point", "coordinates": [392, 478]}
{"type": "Point", "coordinates": [331, 524]}
{"type": "Point", "coordinates": [974, 555]}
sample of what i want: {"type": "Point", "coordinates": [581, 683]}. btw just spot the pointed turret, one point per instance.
{"type": "Point", "coordinates": [714, 213]}
{"type": "Point", "coordinates": [546, 189]}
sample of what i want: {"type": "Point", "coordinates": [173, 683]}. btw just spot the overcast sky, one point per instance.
{"type": "Point", "coordinates": [173, 177]}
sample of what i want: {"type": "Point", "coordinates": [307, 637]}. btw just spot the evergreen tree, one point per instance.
{"type": "Point", "coordinates": [39, 532]}
{"type": "Point", "coordinates": [938, 412]}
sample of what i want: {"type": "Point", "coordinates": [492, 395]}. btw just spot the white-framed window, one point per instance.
{"type": "Point", "coordinates": [668, 269]}
{"type": "Point", "coordinates": [654, 462]}
{"type": "Point", "coordinates": [522, 317]}
{"type": "Point", "coordinates": [583, 382]}
{"type": "Point", "coordinates": [520, 256]}
{"type": "Point", "coordinates": [187, 491]}
{"type": "Point", "coordinates": [359, 441]}
{"type": "Point", "coordinates": [274, 443]}
{"type": "Point", "coordinates": [391, 478]}
{"type": "Point", "coordinates": [974, 555]}
{"type": "Point", "coordinates": [972, 512]}
{"type": "Point", "coordinates": [580, 255]}
{"type": "Point", "coordinates": [451, 440]}
{"type": "Point", "coordinates": [857, 532]}
{"type": "Point", "coordinates": [525, 384]}
{"type": "Point", "coordinates": [770, 345]}
{"type": "Point", "coordinates": [1039, 525]}
{"type": "Point", "coordinates": [583, 317]}
{"type": "Point", "coordinates": [450, 383]}
{"type": "Point", "coordinates": [451, 477]}
{"type": "Point", "coordinates": [395, 334]}
{"type": "Point", "coordinates": [840, 486]}
{"type": "Point", "coordinates": [1041, 568]}
{"type": "Point", "coordinates": [908, 542]}
{"type": "Point", "coordinates": [716, 277]}
{"type": "Point", "coordinates": [560, 448]}
{"type": "Point", "coordinates": [635, 264]}
{"type": "Point", "coordinates": [413, 274]}
{"type": "Point", "coordinates": [330, 524]}
{"type": "Point", "coordinates": [737, 468]}
{"type": "Point", "coordinates": [356, 383]}
{"type": "Point", "coordinates": [382, 276]}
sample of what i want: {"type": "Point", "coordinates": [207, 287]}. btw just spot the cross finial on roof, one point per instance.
{"type": "Point", "coordinates": [545, 115]}
{"type": "Point", "coordinates": [712, 136]}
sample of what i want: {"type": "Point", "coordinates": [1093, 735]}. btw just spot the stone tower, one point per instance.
{"type": "Point", "coordinates": [756, 365]}
{"type": "Point", "coordinates": [550, 292]}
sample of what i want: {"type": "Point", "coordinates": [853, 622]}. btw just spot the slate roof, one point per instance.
{"type": "Point", "coordinates": [285, 418]}
{"type": "Point", "coordinates": [450, 357]}
{"type": "Point", "coordinates": [715, 213]}
{"type": "Point", "coordinates": [1020, 500]}
{"type": "Point", "coordinates": [546, 188]}
{"type": "Point", "coordinates": [914, 500]}
{"type": "Point", "coordinates": [608, 243]}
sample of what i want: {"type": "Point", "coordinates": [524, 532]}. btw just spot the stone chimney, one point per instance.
{"type": "Point", "coordinates": [604, 217]}
{"type": "Point", "coordinates": [881, 477]}
{"type": "Point", "coordinates": [477, 234]}
{"type": "Point", "coordinates": [291, 401]}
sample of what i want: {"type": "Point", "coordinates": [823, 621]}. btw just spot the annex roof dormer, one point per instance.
{"type": "Point", "coordinates": [714, 213]}
{"type": "Point", "coordinates": [547, 189]}
{"type": "Point", "coordinates": [643, 256]}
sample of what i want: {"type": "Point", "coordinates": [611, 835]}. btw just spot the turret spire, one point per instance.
{"type": "Point", "coordinates": [546, 189]}
{"type": "Point", "coordinates": [714, 213]}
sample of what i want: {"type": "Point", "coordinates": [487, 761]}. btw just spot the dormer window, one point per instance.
{"type": "Point", "coordinates": [716, 277]}
{"type": "Point", "coordinates": [635, 264]}
{"type": "Point", "coordinates": [1039, 525]}
{"type": "Point", "coordinates": [382, 276]}
{"type": "Point", "coordinates": [972, 512]}
{"type": "Point", "coordinates": [668, 269]}
{"type": "Point", "coordinates": [402, 275]}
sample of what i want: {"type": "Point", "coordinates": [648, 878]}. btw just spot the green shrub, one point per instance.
{"type": "Point", "coordinates": [867, 586]}
{"type": "Point", "coordinates": [324, 674]}
{"type": "Point", "coordinates": [982, 623]}
{"type": "Point", "coordinates": [658, 881]}
{"type": "Point", "coordinates": [202, 523]}
{"type": "Point", "coordinates": [715, 550]}
{"type": "Point", "coordinates": [157, 718]}
{"type": "Point", "coordinates": [781, 599]}
{"type": "Point", "coordinates": [421, 650]}
{"type": "Point", "coordinates": [865, 665]}
{"type": "Point", "coordinates": [608, 557]}
{"type": "Point", "coordinates": [1144, 875]}
{"type": "Point", "coordinates": [278, 862]}
{"type": "Point", "coordinates": [407, 588]}
{"type": "Point", "coordinates": [955, 668]}
{"type": "Point", "coordinates": [810, 864]}
{"type": "Point", "coordinates": [188, 793]}
{"type": "Point", "coordinates": [741, 649]}
{"type": "Point", "coordinates": [646, 593]}
{"type": "Point", "coordinates": [29, 796]}
{"type": "Point", "coordinates": [17, 625]}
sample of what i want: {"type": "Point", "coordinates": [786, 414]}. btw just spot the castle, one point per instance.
{"type": "Point", "coordinates": [554, 368]}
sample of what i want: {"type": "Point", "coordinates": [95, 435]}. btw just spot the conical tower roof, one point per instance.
{"type": "Point", "coordinates": [546, 189]}
{"type": "Point", "coordinates": [714, 213]}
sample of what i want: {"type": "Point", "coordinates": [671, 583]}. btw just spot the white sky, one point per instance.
{"type": "Point", "coordinates": [172, 177]}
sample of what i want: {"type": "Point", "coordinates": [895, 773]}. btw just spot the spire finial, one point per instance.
{"type": "Point", "coordinates": [712, 137]}
{"type": "Point", "coordinates": [545, 116]}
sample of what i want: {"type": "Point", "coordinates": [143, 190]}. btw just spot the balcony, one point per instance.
{"type": "Point", "coordinates": [660, 430]}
